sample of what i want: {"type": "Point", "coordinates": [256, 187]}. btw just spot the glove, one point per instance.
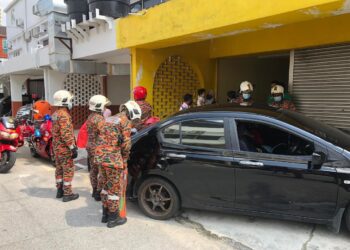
{"type": "Point", "coordinates": [74, 151]}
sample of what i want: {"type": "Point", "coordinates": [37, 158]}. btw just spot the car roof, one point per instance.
{"type": "Point", "coordinates": [257, 108]}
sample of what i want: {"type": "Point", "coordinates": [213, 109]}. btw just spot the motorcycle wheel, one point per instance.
{"type": "Point", "coordinates": [33, 153]}
{"type": "Point", "coordinates": [7, 161]}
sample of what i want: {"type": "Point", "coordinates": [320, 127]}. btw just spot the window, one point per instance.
{"type": "Point", "coordinates": [171, 134]}
{"type": "Point", "coordinates": [203, 133]}
{"type": "Point", "coordinates": [262, 138]}
{"type": "Point", "coordinates": [199, 133]}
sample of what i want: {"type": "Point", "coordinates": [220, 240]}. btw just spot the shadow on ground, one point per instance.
{"type": "Point", "coordinates": [88, 215]}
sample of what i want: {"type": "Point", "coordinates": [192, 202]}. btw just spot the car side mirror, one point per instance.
{"type": "Point", "coordinates": [318, 158]}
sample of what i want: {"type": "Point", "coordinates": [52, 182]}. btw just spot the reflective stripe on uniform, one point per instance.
{"type": "Point", "coordinates": [59, 181]}
{"type": "Point", "coordinates": [113, 197]}
{"type": "Point", "coordinates": [104, 192]}
{"type": "Point", "coordinates": [66, 183]}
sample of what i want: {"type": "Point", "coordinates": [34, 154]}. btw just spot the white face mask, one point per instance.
{"type": "Point", "coordinates": [277, 98]}
{"type": "Point", "coordinates": [246, 96]}
{"type": "Point", "coordinates": [70, 106]}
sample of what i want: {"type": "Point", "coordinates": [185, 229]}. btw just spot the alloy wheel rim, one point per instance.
{"type": "Point", "coordinates": [157, 199]}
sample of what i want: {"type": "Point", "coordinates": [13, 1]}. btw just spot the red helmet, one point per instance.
{"type": "Point", "coordinates": [140, 93]}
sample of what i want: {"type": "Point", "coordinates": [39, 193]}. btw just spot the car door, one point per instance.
{"type": "Point", "coordinates": [280, 183]}
{"type": "Point", "coordinates": [198, 159]}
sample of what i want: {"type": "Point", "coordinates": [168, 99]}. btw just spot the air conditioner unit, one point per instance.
{"type": "Point", "coordinates": [27, 36]}
{"type": "Point", "coordinates": [19, 23]}
{"type": "Point", "coordinates": [35, 10]}
{"type": "Point", "coordinates": [35, 32]}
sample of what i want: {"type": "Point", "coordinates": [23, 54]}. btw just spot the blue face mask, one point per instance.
{"type": "Point", "coordinates": [277, 98]}
{"type": "Point", "coordinates": [246, 96]}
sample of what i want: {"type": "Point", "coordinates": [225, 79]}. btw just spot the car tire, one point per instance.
{"type": "Point", "coordinates": [347, 218]}
{"type": "Point", "coordinates": [158, 199]}
{"type": "Point", "coordinates": [33, 153]}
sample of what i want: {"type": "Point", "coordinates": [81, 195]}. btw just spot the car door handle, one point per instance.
{"type": "Point", "coordinates": [176, 156]}
{"type": "Point", "coordinates": [251, 163]}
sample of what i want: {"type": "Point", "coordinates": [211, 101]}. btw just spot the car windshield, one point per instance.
{"type": "Point", "coordinates": [320, 129]}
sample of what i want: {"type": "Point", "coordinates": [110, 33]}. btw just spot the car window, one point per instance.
{"type": "Point", "coordinates": [171, 134]}
{"type": "Point", "coordinates": [263, 138]}
{"type": "Point", "coordinates": [203, 133]}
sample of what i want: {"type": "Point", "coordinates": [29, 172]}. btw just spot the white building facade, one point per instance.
{"type": "Point", "coordinates": [43, 59]}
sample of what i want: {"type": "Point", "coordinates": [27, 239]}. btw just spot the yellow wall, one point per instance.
{"type": "Point", "coordinates": [183, 21]}
{"type": "Point", "coordinates": [200, 31]}
{"type": "Point", "coordinates": [313, 33]}
{"type": "Point", "coordinates": [145, 63]}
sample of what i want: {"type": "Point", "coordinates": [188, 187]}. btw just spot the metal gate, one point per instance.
{"type": "Point", "coordinates": [321, 84]}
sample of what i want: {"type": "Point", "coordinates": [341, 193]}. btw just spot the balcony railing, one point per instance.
{"type": "Point", "coordinates": [137, 5]}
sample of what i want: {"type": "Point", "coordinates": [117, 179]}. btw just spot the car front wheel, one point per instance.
{"type": "Point", "coordinates": [158, 199]}
{"type": "Point", "coordinates": [347, 218]}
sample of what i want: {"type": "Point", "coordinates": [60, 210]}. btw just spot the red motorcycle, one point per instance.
{"type": "Point", "coordinates": [40, 141]}
{"type": "Point", "coordinates": [10, 139]}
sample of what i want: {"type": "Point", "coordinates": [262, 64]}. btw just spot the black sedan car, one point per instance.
{"type": "Point", "coordinates": [249, 160]}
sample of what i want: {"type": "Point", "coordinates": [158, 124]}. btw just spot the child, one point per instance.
{"type": "Point", "coordinates": [188, 100]}
{"type": "Point", "coordinates": [201, 97]}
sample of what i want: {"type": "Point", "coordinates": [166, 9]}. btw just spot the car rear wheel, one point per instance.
{"type": "Point", "coordinates": [158, 199]}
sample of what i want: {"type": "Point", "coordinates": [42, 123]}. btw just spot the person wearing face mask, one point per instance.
{"type": "Point", "coordinates": [246, 90]}
{"type": "Point", "coordinates": [279, 102]}
{"type": "Point", "coordinates": [64, 146]}
{"type": "Point", "coordinates": [97, 107]}
{"type": "Point", "coordinates": [210, 98]}
{"type": "Point", "coordinates": [286, 95]}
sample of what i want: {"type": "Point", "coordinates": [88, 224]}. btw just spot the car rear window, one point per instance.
{"type": "Point", "coordinates": [208, 133]}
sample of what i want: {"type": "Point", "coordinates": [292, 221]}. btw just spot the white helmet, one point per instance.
{"type": "Point", "coordinates": [98, 103]}
{"type": "Point", "coordinates": [133, 109]}
{"type": "Point", "coordinates": [246, 86]}
{"type": "Point", "coordinates": [63, 98]}
{"type": "Point", "coordinates": [277, 89]}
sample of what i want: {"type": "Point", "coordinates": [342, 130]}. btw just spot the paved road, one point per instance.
{"type": "Point", "coordinates": [31, 218]}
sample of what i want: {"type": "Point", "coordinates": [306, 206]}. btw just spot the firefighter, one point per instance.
{"type": "Point", "coordinates": [246, 97]}
{"type": "Point", "coordinates": [64, 146]}
{"type": "Point", "coordinates": [140, 95]}
{"type": "Point", "coordinates": [277, 92]}
{"type": "Point", "coordinates": [97, 106]}
{"type": "Point", "coordinates": [286, 95]}
{"type": "Point", "coordinates": [112, 154]}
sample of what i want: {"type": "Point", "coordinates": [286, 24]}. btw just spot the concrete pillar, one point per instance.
{"type": "Point", "coordinates": [17, 82]}
{"type": "Point", "coordinates": [53, 81]}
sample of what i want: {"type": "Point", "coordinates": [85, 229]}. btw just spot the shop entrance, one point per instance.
{"type": "Point", "coordinates": [260, 70]}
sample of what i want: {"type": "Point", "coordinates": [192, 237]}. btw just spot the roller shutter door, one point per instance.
{"type": "Point", "coordinates": [321, 84]}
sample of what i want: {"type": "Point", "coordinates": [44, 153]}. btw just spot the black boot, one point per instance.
{"type": "Point", "coordinates": [70, 197]}
{"type": "Point", "coordinates": [97, 195]}
{"type": "Point", "coordinates": [104, 215]}
{"type": "Point", "coordinates": [59, 193]}
{"type": "Point", "coordinates": [115, 220]}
